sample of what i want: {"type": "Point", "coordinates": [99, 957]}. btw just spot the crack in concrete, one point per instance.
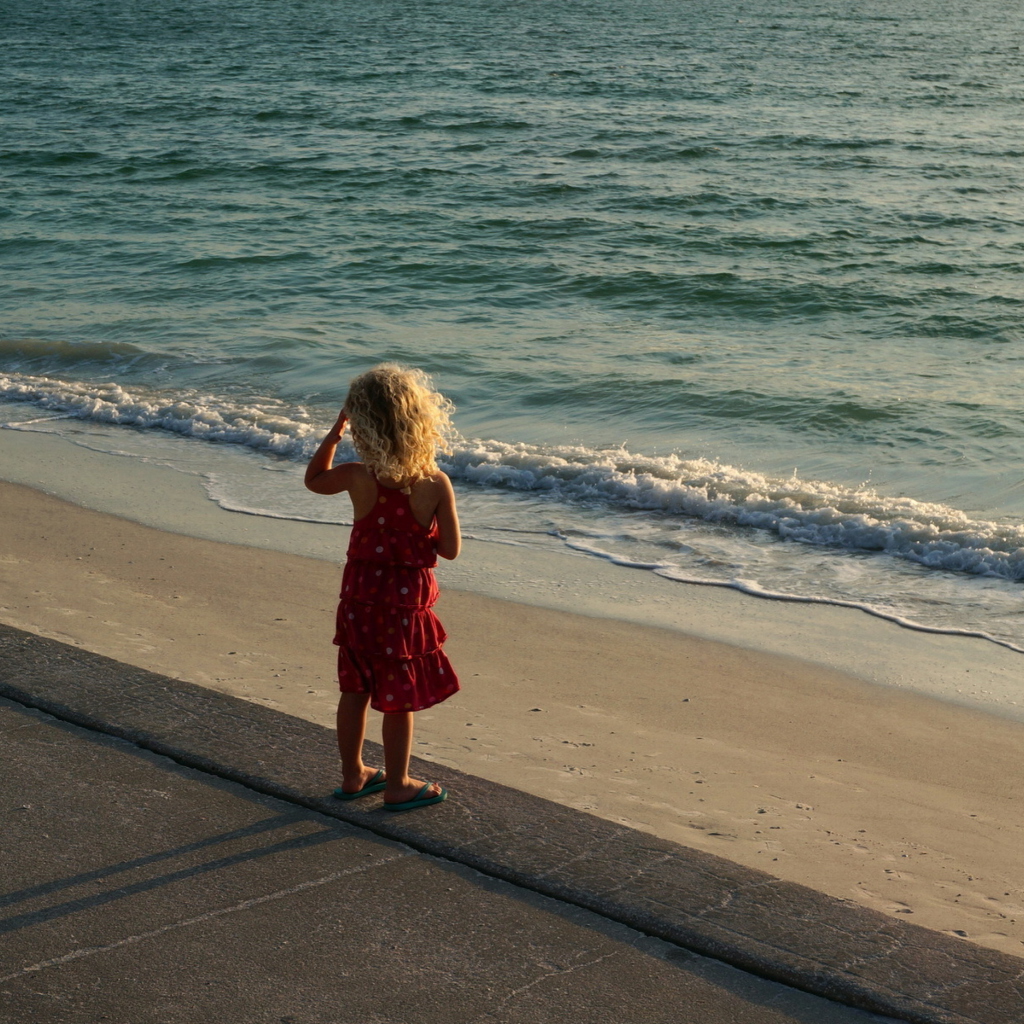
{"type": "Point", "coordinates": [555, 871]}
{"type": "Point", "coordinates": [639, 873]}
{"type": "Point", "coordinates": [489, 1014]}
{"type": "Point", "coordinates": [209, 915]}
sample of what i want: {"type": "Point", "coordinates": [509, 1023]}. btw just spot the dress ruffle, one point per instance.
{"type": "Point", "coordinates": [385, 631]}
{"type": "Point", "coordinates": [410, 685]}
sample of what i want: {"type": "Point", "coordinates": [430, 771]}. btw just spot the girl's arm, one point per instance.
{"type": "Point", "coordinates": [321, 478]}
{"type": "Point", "coordinates": [449, 536]}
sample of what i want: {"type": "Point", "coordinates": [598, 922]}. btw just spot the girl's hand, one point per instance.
{"type": "Point", "coordinates": [339, 426]}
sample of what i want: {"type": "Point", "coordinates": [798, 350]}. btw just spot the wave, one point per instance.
{"type": "Point", "coordinates": [801, 511]}
{"type": "Point", "coordinates": [24, 350]}
{"type": "Point", "coordinates": [264, 424]}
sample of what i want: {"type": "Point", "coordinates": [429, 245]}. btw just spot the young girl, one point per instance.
{"type": "Point", "coordinates": [389, 639]}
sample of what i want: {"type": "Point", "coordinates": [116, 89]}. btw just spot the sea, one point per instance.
{"type": "Point", "coordinates": [724, 292]}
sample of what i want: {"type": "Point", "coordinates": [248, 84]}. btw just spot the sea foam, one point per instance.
{"type": "Point", "coordinates": [793, 509]}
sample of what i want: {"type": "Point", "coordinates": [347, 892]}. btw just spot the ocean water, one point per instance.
{"type": "Point", "coordinates": [727, 292]}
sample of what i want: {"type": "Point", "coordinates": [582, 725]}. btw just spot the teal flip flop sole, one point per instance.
{"type": "Point", "coordinates": [419, 800]}
{"type": "Point", "coordinates": [375, 785]}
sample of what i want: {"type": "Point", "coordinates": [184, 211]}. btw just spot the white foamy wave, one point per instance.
{"type": "Point", "coordinates": [807, 512]}
{"type": "Point", "coordinates": [264, 424]}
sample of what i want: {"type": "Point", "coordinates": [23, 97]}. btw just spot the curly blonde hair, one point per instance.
{"type": "Point", "coordinates": [398, 422]}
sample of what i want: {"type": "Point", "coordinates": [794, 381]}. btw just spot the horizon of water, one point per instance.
{"type": "Point", "coordinates": [721, 293]}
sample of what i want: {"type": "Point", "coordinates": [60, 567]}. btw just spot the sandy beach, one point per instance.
{"type": "Point", "coordinates": [898, 801]}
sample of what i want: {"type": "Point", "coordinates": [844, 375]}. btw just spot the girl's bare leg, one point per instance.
{"type": "Point", "coordinates": [396, 731]}
{"type": "Point", "coordinates": [351, 731]}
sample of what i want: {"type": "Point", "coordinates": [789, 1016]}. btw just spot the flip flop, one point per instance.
{"type": "Point", "coordinates": [375, 785]}
{"type": "Point", "coordinates": [419, 800]}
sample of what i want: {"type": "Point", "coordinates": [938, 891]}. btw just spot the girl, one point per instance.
{"type": "Point", "coordinates": [389, 639]}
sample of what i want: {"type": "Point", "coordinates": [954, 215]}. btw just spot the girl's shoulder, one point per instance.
{"type": "Point", "coordinates": [436, 484]}
{"type": "Point", "coordinates": [436, 479]}
{"type": "Point", "coordinates": [428, 495]}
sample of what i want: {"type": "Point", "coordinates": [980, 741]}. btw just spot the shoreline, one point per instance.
{"type": "Point", "coordinates": [866, 792]}
{"type": "Point", "coordinates": [159, 493]}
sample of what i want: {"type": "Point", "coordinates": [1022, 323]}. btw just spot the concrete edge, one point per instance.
{"type": "Point", "coordinates": [746, 918]}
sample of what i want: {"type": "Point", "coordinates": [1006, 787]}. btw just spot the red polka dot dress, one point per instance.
{"type": "Point", "coordinates": [389, 639]}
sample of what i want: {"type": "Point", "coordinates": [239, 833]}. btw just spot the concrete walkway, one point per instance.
{"type": "Point", "coordinates": [139, 889]}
